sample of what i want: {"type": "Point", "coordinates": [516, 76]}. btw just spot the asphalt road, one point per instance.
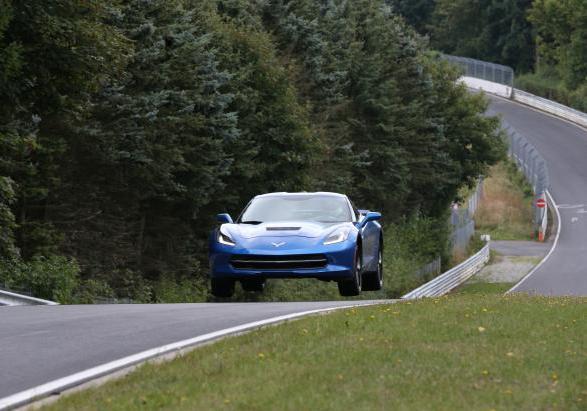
{"type": "Point", "coordinates": [564, 147]}
{"type": "Point", "coordinates": [39, 344]}
{"type": "Point", "coordinates": [522, 248]}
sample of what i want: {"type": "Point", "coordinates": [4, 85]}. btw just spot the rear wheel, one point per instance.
{"type": "Point", "coordinates": [256, 286]}
{"type": "Point", "coordinates": [222, 287]}
{"type": "Point", "coordinates": [373, 280]}
{"type": "Point", "coordinates": [352, 287]}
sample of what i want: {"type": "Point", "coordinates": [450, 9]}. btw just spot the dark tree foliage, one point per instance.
{"type": "Point", "coordinates": [375, 98]}
{"type": "Point", "coordinates": [125, 126]}
{"type": "Point", "coordinates": [416, 12]}
{"type": "Point", "coordinates": [9, 68]}
{"type": "Point", "coordinates": [490, 30]}
{"type": "Point", "coordinates": [562, 39]}
{"type": "Point", "coordinates": [61, 53]}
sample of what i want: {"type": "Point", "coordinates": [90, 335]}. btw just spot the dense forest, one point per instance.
{"type": "Point", "coordinates": [126, 125]}
{"type": "Point", "coordinates": [545, 41]}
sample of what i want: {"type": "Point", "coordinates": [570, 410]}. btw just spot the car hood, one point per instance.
{"type": "Point", "coordinates": [284, 229]}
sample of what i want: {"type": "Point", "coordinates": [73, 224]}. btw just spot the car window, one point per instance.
{"type": "Point", "coordinates": [324, 209]}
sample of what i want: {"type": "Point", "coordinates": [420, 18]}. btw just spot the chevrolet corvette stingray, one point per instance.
{"type": "Point", "coordinates": [297, 235]}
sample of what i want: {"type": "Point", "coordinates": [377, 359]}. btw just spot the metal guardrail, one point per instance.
{"type": "Point", "coordinates": [452, 278]}
{"type": "Point", "coordinates": [551, 107]}
{"type": "Point", "coordinates": [12, 298]}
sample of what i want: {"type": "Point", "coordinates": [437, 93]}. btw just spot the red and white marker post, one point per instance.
{"type": "Point", "coordinates": [543, 220]}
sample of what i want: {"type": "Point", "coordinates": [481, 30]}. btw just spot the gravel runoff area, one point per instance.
{"type": "Point", "coordinates": [511, 261]}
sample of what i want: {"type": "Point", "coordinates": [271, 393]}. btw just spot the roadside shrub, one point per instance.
{"type": "Point", "coordinates": [93, 291]}
{"type": "Point", "coordinates": [409, 245]}
{"type": "Point", "coordinates": [53, 278]}
{"type": "Point", "coordinates": [183, 290]}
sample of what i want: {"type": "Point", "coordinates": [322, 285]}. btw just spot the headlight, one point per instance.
{"type": "Point", "coordinates": [225, 238]}
{"type": "Point", "coordinates": [338, 236]}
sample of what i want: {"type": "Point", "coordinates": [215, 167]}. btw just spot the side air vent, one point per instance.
{"type": "Point", "coordinates": [283, 228]}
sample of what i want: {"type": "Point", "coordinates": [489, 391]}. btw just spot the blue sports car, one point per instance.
{"type": "Point", "coordinates": [297, 235]}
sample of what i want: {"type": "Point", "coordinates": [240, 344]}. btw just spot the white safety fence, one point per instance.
{"type": "Point", "coordinates": [487, 86]}
{"type": "Point", "coordinates": [452, 278]}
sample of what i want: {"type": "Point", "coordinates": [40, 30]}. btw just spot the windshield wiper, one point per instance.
{"type": "Point", "coordinates": [252, 222]}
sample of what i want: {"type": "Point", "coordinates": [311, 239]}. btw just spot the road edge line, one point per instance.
{"type": "Point", "coordinates": [545, 259]}
{"type": "Point", "coordinates": [26, 397]}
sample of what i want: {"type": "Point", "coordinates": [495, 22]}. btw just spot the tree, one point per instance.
{"type": "Point", "coordinates": [490, 30]}
{"type": "Point", "coordinates": [64, 53]}
{"type": "Point", "coordinates": [416, 12]}
{"type": "Point", "coordinates": [10, 64]}
{"type": "Point", "coordinates": [561, 28]}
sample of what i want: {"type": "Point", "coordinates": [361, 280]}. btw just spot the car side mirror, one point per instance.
{"type": "Point", "coordinates": [224, 218]}
{"type": "Point", "coordinates": [370, 216]}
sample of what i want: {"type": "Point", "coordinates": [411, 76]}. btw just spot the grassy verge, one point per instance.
{"type": "Point", "coordinates": [483, 288]}
{"type": "Point", "coordinates": [474, 352]}
{"type": "Point", "coordinates": [506, 210]}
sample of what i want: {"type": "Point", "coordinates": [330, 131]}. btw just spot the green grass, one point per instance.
{"type": "Point", "coordinates": [464, 352]}
{"type": "Point", "coordinates": [483, 288]}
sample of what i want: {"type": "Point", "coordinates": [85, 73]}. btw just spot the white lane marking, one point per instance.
{"type": "Point", "coordinates": [574, 219]}
{"type": "Point", "coordinates": [558, 232]}
{"type": "Point", "coordinates": [569, 206]}
{"type": "Point", "coordinates": [61, 384]}
{"type": "Point", "coordinates": [582, 211]}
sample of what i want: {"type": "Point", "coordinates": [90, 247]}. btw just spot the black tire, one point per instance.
{"type": "Point", "coordinates": [256, 286]}
{"type": "Point", "coordinates": [352, 287]}
{"type": "Point", "coordinates": [373, 280]}
{"type": "Point", "coordinates": [222, 287]}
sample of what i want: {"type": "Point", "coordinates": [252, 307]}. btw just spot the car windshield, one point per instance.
{"type": "Point", "coordinates": [323, 209]}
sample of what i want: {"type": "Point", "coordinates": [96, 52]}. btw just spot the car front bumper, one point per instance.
{"type": "Point", "coordinates": [339, 262]}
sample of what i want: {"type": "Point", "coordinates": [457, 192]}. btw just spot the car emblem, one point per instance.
{"type": "Point", "coordinates": [278, 244]}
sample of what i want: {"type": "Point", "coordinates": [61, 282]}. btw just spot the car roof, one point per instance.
{"type": "Point", "coordinates": [302, 193]}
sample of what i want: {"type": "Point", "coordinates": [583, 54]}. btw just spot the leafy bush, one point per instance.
{"type": "Point", "coordinates": [53, 278]}
{"type": "Point", "coordinates": [183, 290]}
{"type": "Point", "coordinates": [408, 246]}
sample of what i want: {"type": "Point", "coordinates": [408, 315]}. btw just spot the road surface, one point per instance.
{"type": "Point", "coordinates": [564, 147]}
{"type": "Point", "coordinates": [39, 344]}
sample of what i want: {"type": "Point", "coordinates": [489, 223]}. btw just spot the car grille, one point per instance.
{"type": "Point", "coordinates": [278, 262]}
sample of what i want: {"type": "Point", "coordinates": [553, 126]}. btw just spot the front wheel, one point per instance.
{"type": "Point", "coordinates": [373, 280]}
{"type": "Point", "coordinates": [222, 287]}
{"type": "Point", "coordinates": [352, 287]}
